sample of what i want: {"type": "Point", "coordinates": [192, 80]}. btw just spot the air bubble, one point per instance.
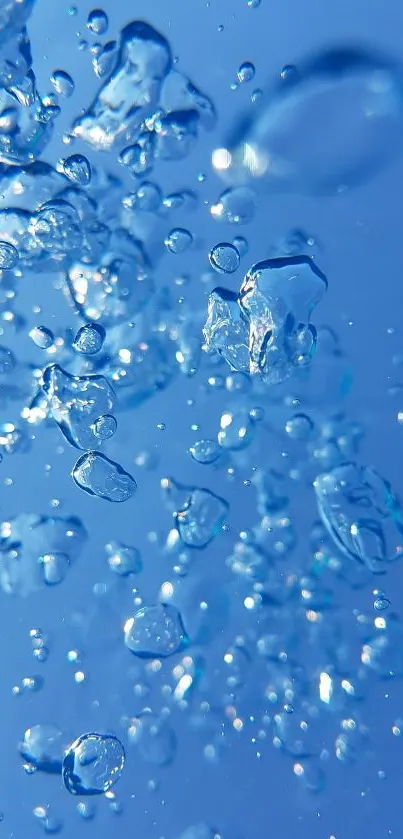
{"type": "Point", "coordinates": [246, 72]}
{"type": "Point", "coordinates": [42, 337]}
{"type": "Point", "coordinates": [8, 256]}
{"type": "Point", "coordinates": [224, 258]}
{"type": "Point", "coordinates": [179, 240]}
{"type": "Point", "coordinates": [62, 83]}
{"type": "Point", "coordinates": [97, 21]}
{"type": "Point", "coordinates": [89, 339]}
{"type": "Point", "coordinates": [93, 764]}
{"type": "Point", "coordinates": [77, 169]}
{"type": "Point", "coordinates": [155, 632]}
{"type": "Point", "coordinates": [97, 475]}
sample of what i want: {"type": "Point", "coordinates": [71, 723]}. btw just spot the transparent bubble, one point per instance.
{"type": "Point", "coordinates": [178, 240]}
{"type": "Point", "coordinates": [199, 513]}
{"type": "Point", "coordinates": [55, 567]}
{"type": "Point", "coordinates": [89, 339]}
{"type": "Point", "coordinates": [241, 245]}
{"type": "Point", "coordinates": [278, 297]}
{"type": "Point", "coordinates": [332, 124]}
{"type": "Point", "coordinates": [43, 747]}
{"type": "Point", "coordinates": [8, 256]}
{"type": "Point", "coordinates": [97, 475]}
{"type": "Point", "coordinates": [76, 403]}
{"type": "Point", "coordinates": [77, 169]}
{"type": "Point", "coordinates": [153, 738]}
{"type": "Point", "coordinates": [300, 427]}
{"type": "Point", "coordinates": [42, 337]}
{"type": "Point", "coordinates": [104, 61]}
{"type": "Point", "coordinates": [93, 764]}
{"type": "Point", "coordinates": [236, 430]}
{"type": "Point", "coordinates": [361, 514]}
{"type": "Point", "coordinates": [62, 83]}
{"type": "Point", "coordinates": [97, 21]}
{"type": "Point", "coordinates": [224, 258]}
{"type": "Point", "coordinates": [205, 451]}
{"type": "Point", "coordinates": [122, 559]}
{"type": "Point", "coordinates": [130, 93]}
{"type": "Point", "coordinates": [105, 427]}
{"type": "Point", "coordinates": [155, 632]}
{"type": "Point", "coordinates": [246, 72]}
{"type": "Point", "coordinates": [226, 329]}
{"type": "Point", "coordinates": [56, 228]}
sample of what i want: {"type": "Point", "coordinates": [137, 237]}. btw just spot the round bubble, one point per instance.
{"type": "Point", "coordinates": [236, 205]}
{"type": "Point", "coordinates": [329, 126]}
{"type": "Point", "coordinates": [246, 72]}
{"type": "Point", "coordinates": [77, 168]}
{"type": "Point", "coordinates": [97, 21]}
{"type": "Point", "coordinates": [8, 256]}
{"type": "Point", "coordinates": [224, 258]}
{"type": "Point", "coordinates": [178, 240]}
{"type": "Point", "coordinates": [62, 83]}
{"type": "Point", "coordinates": [93, 764]}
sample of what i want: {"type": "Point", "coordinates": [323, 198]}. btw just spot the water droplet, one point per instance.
{"type": "Point", "coordinates": [62, 83]}
{"type": "Point", "coordinates": [77, 168]}
{"type": "Point", "coordinates": [224, 258]}
{"type": "Point", "coordinates": [42, 337]}
{"type": "Point", "coordinates": [97, 475]}
{"type": "Point", "coordinates": [97, 21]}
{"type": "Point", "coordinates": [178, 240]}
{"type": "Point", "coordinates": [8, 256]}
{"type": "Point", "coordinates": [246, 72]}
{"type": "Point", "coordinates": [155, 631]}
{"type": "Point", "coordinates": [93, 764]}
{"type": "Point", "coordinates": [89, 339]}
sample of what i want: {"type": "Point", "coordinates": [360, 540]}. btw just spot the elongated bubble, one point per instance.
{"type": "Point", "coordinates": [98, 475]}
{"type": "Point", "coordinates": [333, 123]}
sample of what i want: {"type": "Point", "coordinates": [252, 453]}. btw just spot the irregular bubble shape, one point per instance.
{"type": "Point", "coordinates": [77, 169]}
{"type": "Point", "coordinates": [198, 831]}
{"type": "Point", "coordinates": [179, 94]}
{"type": "Point", "coordinates": [351, 742]}
{"type": "Point", "coordinates": [8, 256]}
{"type": "Point", "coordinates": [104, 61]}
{"type": "Point", "coordinates": [334, 123]}
{"type": "Point", "coordinates": [42, 337]}
{"type": "Point", "coordinates": [278, 297]}
{"type": "Point", "coordinates": [131, 92]}
{"type": "Point", "coordinates": [248, 562]}
{"type": "Point", "coordinates": [236, 430]}
{"type": "Point", "coordinates": [361, 514]}
{"type": "Point", "coordinates": [153, 738]}
{"type": "Point", "coordinates": [241, 244]}
{"type": "Point", "coordinates": [115, 288]}
{"type": "Point", "coordinates": [89, 339]}
{"type": "Point", "coordinates": [14, 14]}
{"type": "Point", "coordinates": [300, 427]}
{"type": "Point", "coordinates": [201, 517]}
{"type": "Point", "coordinates": [32, 121]}
{"type": "Point", "coordinates": [28, 537]}
{"type": "Point", "coordinates": [104, 427]}
{"type": "Point", "coordinates": [175, 134]}
{"type": "Point", "coordinates": [205, 451]}
{"type": "Point", "coordinates": [56, 228]}
{"type": "Point", "coordinates": [97, 21]}
{"type": "Point", "coordinates": [236, 205]}
{"type": "Point", "coordinates": [246, 72]}
{"type": "Point", "coordinates": [93, 764]}
{"type": "Point", "coordinates": [224, 258]}
{"type": "Point", "coordinates": [98, 475]}
{"type": "Point", "coordinates": [226, 329]}
{"type": "Point", "coordinates": [122, 559]}
{"type": "Point", "coordinates": [76, 402]}
{"type": "Point", "coordinates": [178, 240]}
{"type": "Point", "coordinates": [62, 83]}
{"type": "Point", "coordinates": [155, 631]}
{"type": "Point", "coordinates": [43, 747]}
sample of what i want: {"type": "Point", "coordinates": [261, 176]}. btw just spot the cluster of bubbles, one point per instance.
{"type": "Point", "coordinates": [272, 621]}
